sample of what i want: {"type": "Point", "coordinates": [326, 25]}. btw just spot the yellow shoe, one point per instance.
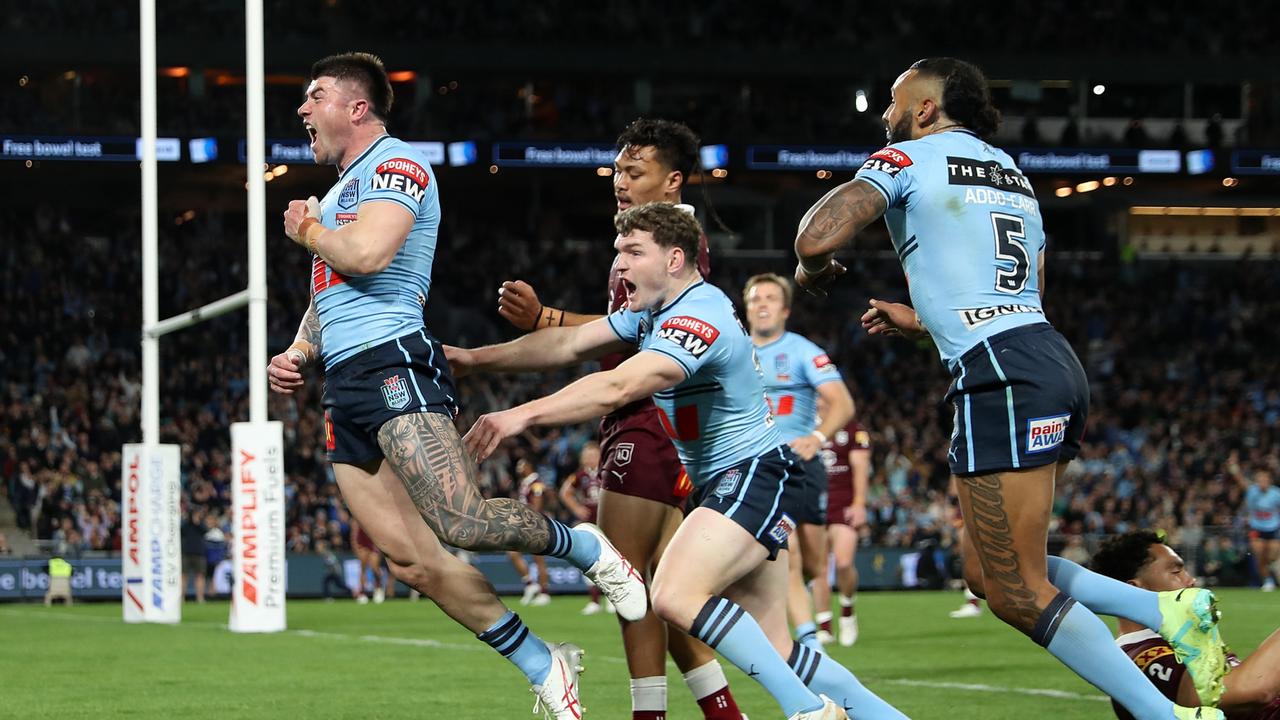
{"type": "Point", "coordinates": [1190, 625]}
{"type": "Point", "coordinates": [1200, 713]}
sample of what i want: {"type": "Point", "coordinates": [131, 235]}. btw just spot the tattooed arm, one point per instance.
{"type": "Point", "coordinates": [830, 225]}
{"type": "Point", "coordinates": [284, 374]}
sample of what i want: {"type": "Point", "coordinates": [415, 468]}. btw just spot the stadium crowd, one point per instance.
{"type": "Point", "coordinates": [1186, 397]}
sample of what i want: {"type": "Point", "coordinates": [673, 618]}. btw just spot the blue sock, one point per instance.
{"type": "Point", "coordinates": [1104, 595]}
{"type": "Point", "coordinates": [579, 547]}
{"type": "Point", "coordinates": [733, 633]}
{"type": "Point", "coordinates": [510, 637]}
{"type": "Point", "coordinates": [827, 677]}
{"type": "Point", "coordinates": [807, 635]}
{"type": "Point", "coordinates": [1074, 635]}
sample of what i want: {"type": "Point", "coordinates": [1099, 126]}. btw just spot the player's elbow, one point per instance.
{"type": "Point", "coordinates": [372, 262]}
{"type": "Point", "coordinates": [618, 391]}
{"type": "Point", "coordinates": [1248, 695]}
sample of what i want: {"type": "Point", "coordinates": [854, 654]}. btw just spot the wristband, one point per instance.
{"type": "Point", "coordinates": [549, 316]}
{"type": "Point", "coordinates": [303, 348]}
{"type": "Point", "coordinates": [808, 271]}
{"type": "Point", "coordinates": [818, 434]}
{"type": "Point", "coordinates": [304, 231]}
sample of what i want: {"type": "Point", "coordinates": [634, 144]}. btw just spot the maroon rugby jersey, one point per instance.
{"type": "Point", "coordinates": [1154, 657]}
{"type": "Point", "coordinates": [531, 487]}
{"type": "Point", "coordinates": [617, 300]}
{"type": "Point", "coordinates": [587, 488]}
{"type": "Point", "coordinates": [835, 456]}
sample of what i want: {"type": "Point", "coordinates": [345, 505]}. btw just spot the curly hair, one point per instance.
{"type": "Point", "coordinates": [676, 145]}
{"type": "Point", "coordinates": [1123, 557]}
{"type": "Point", "coordinates": [366, 70]}
{"type": "Point", "coordinates": [671, 227]}
{"type": "Point", "coordinates": [966, 97]}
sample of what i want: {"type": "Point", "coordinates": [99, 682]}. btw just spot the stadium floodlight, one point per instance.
{"type": "Point", "coordinates": [1099, 89]}
{"type": "Point", "coordinates": [860, 101]}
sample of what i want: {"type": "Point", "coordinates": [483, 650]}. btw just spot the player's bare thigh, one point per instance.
{"type": "Point", "coordinates": [843, 541]}
{"type": "Point", "coordinates": [1006, 517]}
{"type": "Point", "coordinates": [1256, 682]}
{"type": "Point", "coordinates": [636, 526]}
{"type": "Point", "coordinates": [708, 553]}
{"type": "Point", "coordinates": [381, 505]}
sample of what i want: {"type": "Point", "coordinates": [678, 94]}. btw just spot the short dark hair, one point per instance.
{"type": "Point", "coordinates": [1123, 556]}
{"type": "Point", "coordinates": [675, 144]}
{"type": "Point", "coordinates": [670, 226]}
{"type": "Point", "coordinates": [966, 97]}
{"type": "Point", "coordinates": [366, 70]}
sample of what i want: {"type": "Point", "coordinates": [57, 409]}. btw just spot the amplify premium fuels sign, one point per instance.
{"type": "Point", "coordinates": [258, 517]}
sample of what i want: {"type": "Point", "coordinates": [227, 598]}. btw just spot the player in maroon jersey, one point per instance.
{"type": "Point", "coordinates": [644, 484]}
{"type": "Point", "coordinates": [1252, 685]}
{"type": "Point", "coordinates": [531, 491]}
{"type": "Point", "coordinates": [370, 563]}
{"type": "Point", "coordinates": [580, 493]}
{"type": "Point", "coordinates": [847, 456]}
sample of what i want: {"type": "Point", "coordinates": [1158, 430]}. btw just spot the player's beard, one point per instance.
{"type": "Point", "coordinates": [899, 131]}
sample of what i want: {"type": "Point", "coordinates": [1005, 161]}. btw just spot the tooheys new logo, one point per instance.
{"type": "Point", "coordinates": [247, 543]}
{"type": "Point", "coordinates": [133, 539]}
{"type": "Point", "coordinates": [690, 333]}
{"type": "Point", "coordinates": [403, 175]}
{"type": "Point", "coordinates": [888, 160]}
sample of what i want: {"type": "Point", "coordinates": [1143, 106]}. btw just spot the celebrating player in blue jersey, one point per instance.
{"type": "Point", "coordinates": [1262, 505]}
{"type": "Point", "coordinates": [388, 395]}
{"type": "Point", "coordinates": [715, 580]}
{"type": "Point", "coordinates": [967, 227]}
{"type": "Point", "coordinates": [796, 374]}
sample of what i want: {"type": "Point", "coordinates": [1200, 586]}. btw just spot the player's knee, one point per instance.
{"type": "Point", "coordinates": [670, 604]}
{"type": "Point", "coordinates": [1011, 612]}
{"type": "Point", "coordinates": [415, 575]}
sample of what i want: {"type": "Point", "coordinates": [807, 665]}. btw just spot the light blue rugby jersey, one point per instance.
{"type": "Point", "coordinates": [357, 313]}
{"type": "Point", "coordinates": [1263, 508]}
{"type": "Point", "coordinates": [718, 416]}
{"type": "Point", "coordinates": [967, 227]}
{"type": "Point", "coordinates": [793, 369]}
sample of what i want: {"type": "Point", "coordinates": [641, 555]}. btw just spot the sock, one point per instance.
{"type": "Point", "coordinates": [846, 605]}
{"type": "Point", "coordinates": [827, 677]}
{"type": "Point", "coordinates": [510, 637]}
{"type": "Point", "coordinates": [824, 621]}
{"type": "Point", "coordinates": [1074, 635]}
{"type": "Point", "coordinates": [972, 599]}
{"type": "Point", "coordinates": [579, 547]}
{"type": "Point", "coordinates": [711, 689]}
{"type": "Point", "coordinates": [1104, 595]}
{"type": "Point", "coordinates": [807, 635]}
{"type": "Point", "coordinates": [593, 594]}
{"type": "Point", "coordinates": [649, 698]}
{"type": "Point", "coordinates": [732, 632]}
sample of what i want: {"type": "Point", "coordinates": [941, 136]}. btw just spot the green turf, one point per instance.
{"type": "Point", "coordinates": [406, 660]}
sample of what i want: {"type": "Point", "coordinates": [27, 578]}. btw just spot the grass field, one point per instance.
{"type": "Point", "coordinates": [407, 660]}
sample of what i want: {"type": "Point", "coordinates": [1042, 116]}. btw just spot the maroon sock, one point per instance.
{"type": "Point", "coordinates": [648, 715]}
{"type": "Point", "coordinates": [594, 594]}
{"type": "Point", "coordinates": [825, 625]}
{"type": "Point", "coordinates": [846, 611]}
{"type": "Point", "coordinates": [720, 705]}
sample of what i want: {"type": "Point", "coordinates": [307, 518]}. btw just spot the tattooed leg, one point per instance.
{"type": "Point", "coordinates": [425, 451]}
{"type": "Point", "coordinates": [1006, 517]}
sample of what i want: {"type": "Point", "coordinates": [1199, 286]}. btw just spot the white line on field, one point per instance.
{"type": "Point", "coordinates": [477, 647]}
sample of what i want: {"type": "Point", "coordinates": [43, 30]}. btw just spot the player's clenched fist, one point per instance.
{"type": "Point", "coordinates": [815, 281]}
{"type": "Point", "coordinates": [284, 374]}
{"type": "Point", "coordinates": [519, 304]}
{"type": "Point", "coordinates": [492, 428]}
{"type": "Point", "coordinates": [298, 212]}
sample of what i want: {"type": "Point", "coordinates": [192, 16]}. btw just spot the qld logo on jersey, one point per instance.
{"type": "Point", "coordinates": [889, 161]}
{"type": "Point", "coordinates": [395, 391]}
{"type": "Point", "coordinates": [1046, 433]}
{"type": "Point", "coordinates": [690, 333]}
{"type": "Point", "coordinates": [402, 175]}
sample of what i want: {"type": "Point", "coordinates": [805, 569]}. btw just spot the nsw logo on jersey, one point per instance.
{"type": "Point", "coordinates": [728, 482]}
{"type": "Point", "coordinates": [1046, 433]}
{"type": "Point", "coordinates": [350, 194]}
{"type": "Point", "coordinates": [402, 175]}
{"type": "Point", "coordinates": [889, 161]}
{"type": "Point", "coordinates": [781, 367]}
{"type": "Point", "coordinates": [690, 333]}
{"type": "Point", "coordinates": [395, 391]}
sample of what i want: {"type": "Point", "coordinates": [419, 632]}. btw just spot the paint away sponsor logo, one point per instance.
{"type": "Point", "coordinates": [977, 317]}
{"type": "Point", "coordinates": [401, 175]}
{"type": "Point", "coordinates": [692, 334]}
{"type": "Point", "coordinates": [1046, 433]}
